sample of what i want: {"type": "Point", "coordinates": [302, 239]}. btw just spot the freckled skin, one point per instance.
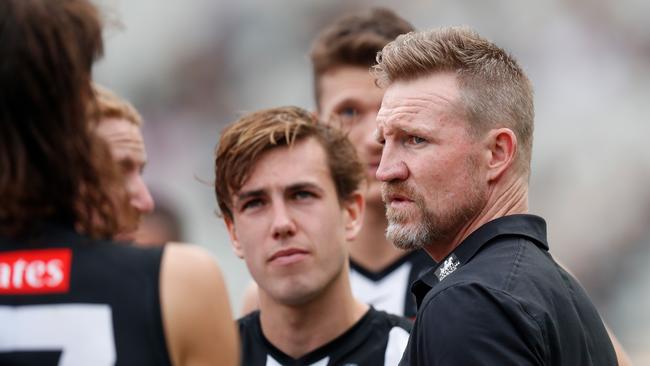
{"type": "Point", "coordinates": [126, 144]}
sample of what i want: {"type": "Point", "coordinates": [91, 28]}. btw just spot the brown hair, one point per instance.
{"type": "Point", "coordinates": [495, 91]}
{"type": "Point", "coordinates": [243, 143]}
{"type": "Point", "coordinates": [49, 162]}
{"type": "Point", "coordinates": [354, 40]}
{"type": "Point", "coordinates": [107, 104]}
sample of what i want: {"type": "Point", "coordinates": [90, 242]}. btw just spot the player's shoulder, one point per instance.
{"type": "Point", "coordinates": [459, 303]}
{"type": "Point", "coordinates": [190, 272]}
{"type": "Point", "coordinates": [386, 321]}
{"type": "Point", "coordinates": [190, 261]}
{"type": "Point", "coordinates": [392, 332]}
{"type": "Point", "coordinates": [249, 320]}
{"type": "Point", "coordinates": [196, 310]}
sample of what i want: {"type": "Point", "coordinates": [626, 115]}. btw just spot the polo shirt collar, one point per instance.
{"type": "Point", "coordinates": [523, 225]}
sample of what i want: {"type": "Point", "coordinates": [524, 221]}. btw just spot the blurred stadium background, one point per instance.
{"type": "Point", "coordinates": [191, 67]}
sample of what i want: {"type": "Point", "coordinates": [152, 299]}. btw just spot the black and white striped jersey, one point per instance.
{"type": "Point", "coordinates": [390, 289]}
{"type": "Point", "coordinates": [68, 300]}
{"type": "Point", "coordinates": [377, 339]}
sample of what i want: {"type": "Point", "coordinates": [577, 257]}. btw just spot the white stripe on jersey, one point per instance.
{"type": "Point", "coordinates": [397, 340]}
{"type": "Point", "coordinates": [270, 361]}
{"type": "Point", "coordinates": [388, 294]}
{"type": "Point", "coordinates": [82, 332]}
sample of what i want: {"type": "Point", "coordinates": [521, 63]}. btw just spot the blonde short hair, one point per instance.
{"type": "Point", "coordinates": [107, 104]}
{"type": "Point", "coordinates": [495, 91]}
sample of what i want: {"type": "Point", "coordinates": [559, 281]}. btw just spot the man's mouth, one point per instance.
{"type": "Point", "coordinates": [288, 256]}
{"type": "Point", "coordinates": [397, 200]}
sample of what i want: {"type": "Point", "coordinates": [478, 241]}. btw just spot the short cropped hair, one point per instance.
{"type": "Point", "coordinates": [354, 40]}
{"type": "Point", "coordinates": [243, 143]}
{"type": "Point", "coordinates": [107, 104]}
{"type": "Point", "coordinates": [495, 91]}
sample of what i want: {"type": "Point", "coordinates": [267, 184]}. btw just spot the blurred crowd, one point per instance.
{"type": "Point", "coordinates": [192, 67]}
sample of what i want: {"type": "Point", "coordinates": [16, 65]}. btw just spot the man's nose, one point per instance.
{"type": "Point", "coordinates": [283, 224]}
{"type": "Point", "coordinates": [141, 198]}
{"type": "Point", "coordinates": [391, 167]}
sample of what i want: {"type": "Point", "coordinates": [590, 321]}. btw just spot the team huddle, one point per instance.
{"type": "Point", "coordinates": [388, 227]}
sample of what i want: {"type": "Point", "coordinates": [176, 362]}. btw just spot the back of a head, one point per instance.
{"type": "Point", "coordinates": [495, 91]}
{"type": "Point", "coordinates": [354, 40]}
{"type": "Point", "coordinates": [49, 162]}
{"type": "Point", "coordinates": [243, 143]}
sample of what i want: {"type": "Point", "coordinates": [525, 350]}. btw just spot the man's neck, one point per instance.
{"type": "Point", "coordinates": [300, 329]}
{"type": "Point", "coordinates": [371, 250]}
{"type": "Point", "coordinates": [503, 200]}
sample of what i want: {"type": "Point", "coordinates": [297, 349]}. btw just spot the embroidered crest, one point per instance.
{"type": "Point", "coordinates": [447, 267]}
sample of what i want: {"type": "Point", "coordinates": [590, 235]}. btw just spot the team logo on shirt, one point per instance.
{"type": "Point", "coordinates": [447, 267]}
{"type": "Point", "coordinates": [25, 272]}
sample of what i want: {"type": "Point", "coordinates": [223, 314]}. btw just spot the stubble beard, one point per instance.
{"type": "Point", "coordinates": [415, 229]}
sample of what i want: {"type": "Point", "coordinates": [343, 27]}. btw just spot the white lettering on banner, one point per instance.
{"type": "Point", "coordinates": [41, 271]}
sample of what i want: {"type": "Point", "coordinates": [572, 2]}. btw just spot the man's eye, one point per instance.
{"type": "Point", "coordinates": [348, 112]}
{"type": "Point", "coordinates": [127, 166]}
{"type": "Point", "coordinates": [250, 204]}
{"type": "Point", "coordinates": [415, 140]}
{"type": "Point", "coordinates": [301, 195]}
{"type": "Point", "coordinates": [347, 115]}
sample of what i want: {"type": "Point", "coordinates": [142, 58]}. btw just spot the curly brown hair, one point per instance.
{"type": "Point", "coordinates": [51, 167]}
{"type": "Point", "coordinates": [243, 143]}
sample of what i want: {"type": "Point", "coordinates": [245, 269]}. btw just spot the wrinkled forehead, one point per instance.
{"type": "Point", "coordinates": [407, 100]}
{"type": "Point", "coordinates": [124, 138]}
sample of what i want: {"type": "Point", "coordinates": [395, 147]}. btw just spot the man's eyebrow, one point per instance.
{"type": "Point", "coordinates": [304, 185]}
{"type": "Point", "coordinates": [392, 128]}
{"type": "Point", "coordinates": [348, 99]}
{"type": "Point", "coordinates": [129, 162]}
{"type": "Point", "coordinates": [249, 194]}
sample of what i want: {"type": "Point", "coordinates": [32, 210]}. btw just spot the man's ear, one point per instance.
{"type": "Point", "coordinates": [354, 207]}
{"type": "Point", "coordinates": [501, 149]}
{"type": "Point", "coordinates": [236, 247]}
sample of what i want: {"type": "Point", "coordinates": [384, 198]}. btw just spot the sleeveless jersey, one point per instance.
{"type": "Point", "coordinates": [68, 300]}
{"type": "Point", "coordinates": [390, 289]}
{"type": "Point", "coordinates": [377, 339]}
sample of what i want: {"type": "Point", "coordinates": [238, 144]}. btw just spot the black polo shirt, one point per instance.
{"type": "Point", "coordinates": [500, 299]}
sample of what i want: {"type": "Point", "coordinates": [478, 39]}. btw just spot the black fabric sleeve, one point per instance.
{"type": "Point", "coordinates": [468, 324]}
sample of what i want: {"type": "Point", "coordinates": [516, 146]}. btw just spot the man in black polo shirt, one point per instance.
{"type": "Point", "coordinates": [290, 192]}
{"type": "Point", "coordinates": [456, 123]}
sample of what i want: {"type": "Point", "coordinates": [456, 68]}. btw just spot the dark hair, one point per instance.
{"type": "Point", "coordinates": [51, 167]}
{"type": "Point", "coordinates": [354, 40]}
{"type": "Point", "coordinates": [243, 142]}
